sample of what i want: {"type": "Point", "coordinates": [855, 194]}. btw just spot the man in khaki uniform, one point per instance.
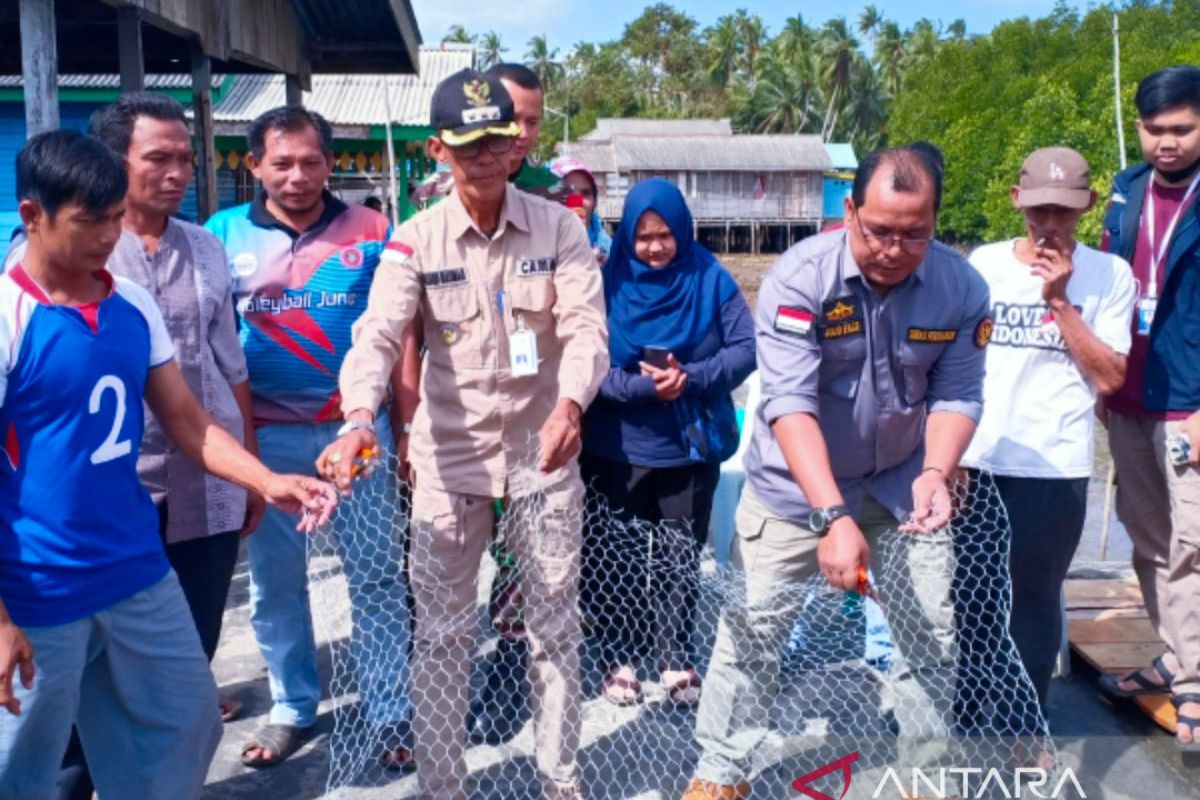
{"type": "Point", "coordinates": [513, 315]}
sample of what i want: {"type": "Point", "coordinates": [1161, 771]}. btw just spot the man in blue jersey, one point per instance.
{"type": "Point", "coordinates": [93, 624]}
{"type": "Point", "coordinates": [301, 263]}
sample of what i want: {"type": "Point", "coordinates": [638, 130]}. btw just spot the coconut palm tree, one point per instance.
{"type": "Point", "coordinates": [869, 21]}
{"type": "Point", "coordinates": [751, 33]}
{"type": "Point", "coordinates": [540, 59]}
{"type": "Point", "coordinates": [458, 35]}
{"type": "Point", "coordinates": [788, 93]}
{"type": "Point", "coordinates": [724, 50]}
{"type": "Point", "coordinates": [839, 54]}
{"type": "Point", "coordinates": [491, 50]}
{"type": "Point", "coordinates": [890, 56]}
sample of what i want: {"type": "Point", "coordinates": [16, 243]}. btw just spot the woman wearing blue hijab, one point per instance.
{"type": "Point", "coordinates": [681, 339]}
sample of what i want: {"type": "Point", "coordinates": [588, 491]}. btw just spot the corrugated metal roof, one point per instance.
{"type": "Point", "coordinates": [598, 156]}
{"type": "Point", "coordinates": [351, 99]}
{"type": "Point", "coordinates": [114, 81]}
{"type": "Point", "coordinates": [842, 155]}
{"type": "Point", "coordinates": [756, 153]}
{"type": "Point", "coordinates": [608, 127]}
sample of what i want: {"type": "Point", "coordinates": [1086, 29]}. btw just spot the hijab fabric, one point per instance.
{"type": "Point", "coordinates": [674, 307]}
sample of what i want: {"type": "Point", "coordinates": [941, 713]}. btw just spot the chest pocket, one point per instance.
{"type": "Point", "coordinates": [842, 366]}
{"type": "Point", "coordinates": [531, 295]}
{"type": "Point", "coordinates": [914, 367]}
{"type": "Point", "coordinates": [454, 326]}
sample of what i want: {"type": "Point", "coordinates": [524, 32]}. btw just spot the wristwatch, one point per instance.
{"type": "Point", "coordinates": [355, 425]}
{"type": "Point", "coordinates": [820, 519]}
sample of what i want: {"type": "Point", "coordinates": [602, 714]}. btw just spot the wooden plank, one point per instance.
{"type": "Point", "coordinates": [1132, 612]}
{"type": "Point", "coordinates": [129, 49]}
{"type": "Point", "coordinates": [39, 66]}
{"type": "Point", "coordinates": [1119, 656]}
{"type": "Point", "coordinates": [206, 170]}
{"type": "Point", "coordinates": [1102, 594]}
{"type": "Point", "coordinates": [1112, 630]}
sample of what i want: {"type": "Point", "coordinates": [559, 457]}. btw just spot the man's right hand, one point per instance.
{"type": "Point", "coordinates": [336, 462]}
{"type": "Point", "coordinates": [842, 552]}
{"type": "Point", "coordinates": [16, 653]}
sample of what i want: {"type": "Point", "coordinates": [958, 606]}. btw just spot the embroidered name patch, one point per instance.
{"type": "Point", "coordinates": [794, 321]}
{"type": "Point", "coordinates": [847, 328]}
{"type": "Point", "coordinates": [932, 335]}
{"type": "Point", "coordinates": [530, 267]}
{"type": "Point", "coordinates": [444, 277]}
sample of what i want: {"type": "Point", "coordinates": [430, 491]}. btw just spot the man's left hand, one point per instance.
{"type": "Point", "coordinates": [1191, 428]}
{"type": "Point", "coordinates": [559, 439]}
{"type": "Point", "coordinates": [256, 506]}
{"type": "Point", "coordinates": [931, 503]}
{"type": "Point", "coordinates": [311, 499]}
{"type": "Point", "coordinates": [1055, 268]}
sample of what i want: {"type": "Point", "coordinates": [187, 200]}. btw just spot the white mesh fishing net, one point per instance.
{"type": "Point", "coordinates": [830, 685]}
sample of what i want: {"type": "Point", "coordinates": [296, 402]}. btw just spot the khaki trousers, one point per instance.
{"type": "Point", "coordinates": [450, 534]}
{"type": "Point", "coordinates": [773, 560]}
{"type": "Point", "coordinates": [1159, 504]}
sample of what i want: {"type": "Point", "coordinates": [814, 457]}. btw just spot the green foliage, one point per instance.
{"type": "Point", "coordinates": [798, 80]}
{"type": "Point", "coordinates": [989, 101]}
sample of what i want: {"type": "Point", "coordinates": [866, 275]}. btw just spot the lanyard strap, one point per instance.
{"type": "Point", "coordinates": [1158, 252]}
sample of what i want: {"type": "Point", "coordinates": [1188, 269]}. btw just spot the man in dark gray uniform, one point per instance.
{"type": "Point", "coordinates": [871, 352]}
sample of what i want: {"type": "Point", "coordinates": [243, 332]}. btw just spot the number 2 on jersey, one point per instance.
{"type": "Point", "coordinates": [111, 447]}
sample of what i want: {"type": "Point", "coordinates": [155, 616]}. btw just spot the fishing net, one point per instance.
{"type": "Point", "coordinates": [914, 689]}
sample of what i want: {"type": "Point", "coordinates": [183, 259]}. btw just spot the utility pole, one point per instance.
{"type": "Point", "coordinates": [1117, 87]}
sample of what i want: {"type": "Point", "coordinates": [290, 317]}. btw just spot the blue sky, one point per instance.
{"type": "Point", "coordinates": [566, 22]}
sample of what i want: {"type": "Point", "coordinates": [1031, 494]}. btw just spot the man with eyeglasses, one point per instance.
{"type": "Point", "coordinates": [512, 312]}
{"type": "Point", "coordinates": [871, 350]}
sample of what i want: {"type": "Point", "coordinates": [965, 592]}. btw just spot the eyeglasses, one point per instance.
{"type": "Point", "coordinates": [496, 145]}
{"type": "Point", "coordinates": [880, 242]}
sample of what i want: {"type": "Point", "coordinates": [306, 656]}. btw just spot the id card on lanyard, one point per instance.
{"type": "Point", "coordinates": [1148, 302]}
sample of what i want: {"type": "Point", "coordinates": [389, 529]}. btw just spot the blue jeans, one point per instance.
{"type": "Point", "coordinates": [135, 681]}
{"type": "Point", "coordinates": [279, 609]}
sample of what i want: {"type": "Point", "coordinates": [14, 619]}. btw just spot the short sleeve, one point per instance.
{"type": "Point", "coordinates": [162, 349]}
{"type": "Point", "coordinates": [1115, 312]}
{"type": "Point", "coordinates": [789, 355]}
{"type": "Point", "coordinates": [15, 310]}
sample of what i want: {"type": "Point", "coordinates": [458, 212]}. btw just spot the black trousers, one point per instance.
{"type": "Point", "coordinates": [640, 576]}
{"type": "Point", "coordinates": [205, 570]}
{"type": "Point", "coordinates": [1046, 517]}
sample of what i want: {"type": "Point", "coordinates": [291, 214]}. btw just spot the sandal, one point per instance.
{"type": "Point", "coordinates": [395, 751]}
{"type": "Point", "coordinates": [281, 740]}
{"type": "Point", "coordinates": [684, 690]}
{"type": "Point", "coordinates": [1192, 722]}
{"type": "Point", "coordinates": [615, 687]}
{"type": "Point", "coordinates": [1111, 682]}
{"type": "Point", "coordinates": [230, 708]}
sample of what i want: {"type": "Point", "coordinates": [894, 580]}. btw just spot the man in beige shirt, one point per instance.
{"type": "Point", "coordinates": [513, 316]}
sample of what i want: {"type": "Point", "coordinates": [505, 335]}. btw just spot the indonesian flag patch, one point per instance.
{"type": "Point", "coordinates": [795, 321]}
{"type": "Point", "coordinates": [396, 252]}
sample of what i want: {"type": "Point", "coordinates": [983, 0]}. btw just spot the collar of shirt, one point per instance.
{"type": "Point", "coordinates": [850, 268]}
{"type": "Point", "coordinates": [260, 216]}
{"type": "Point", "coordinates": [511, 213]}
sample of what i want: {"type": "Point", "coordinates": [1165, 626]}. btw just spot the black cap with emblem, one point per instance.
{"type": "Point", "coordinates": [469, 105]}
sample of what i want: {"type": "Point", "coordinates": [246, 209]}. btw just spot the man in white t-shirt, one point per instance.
{"type": "Point", "coordinates": [1062, 313]}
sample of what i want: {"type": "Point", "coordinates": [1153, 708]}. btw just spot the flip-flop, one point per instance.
{"type": "Point", "coordinates": [1192, 722]}
{"type": "Point", "coordinates": [685, 690]}
{"type": "Point", "coordinates": [231, 708]}
{"type": "Point", "coordinates": [614, 681]}
{"type": "Point", "coordinates": [281, 740]}
{"type": "Point", "coordinates": [1111, 682]}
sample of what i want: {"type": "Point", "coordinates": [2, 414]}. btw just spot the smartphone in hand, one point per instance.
{"type": "Point", "coordinates": [656, 356]}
